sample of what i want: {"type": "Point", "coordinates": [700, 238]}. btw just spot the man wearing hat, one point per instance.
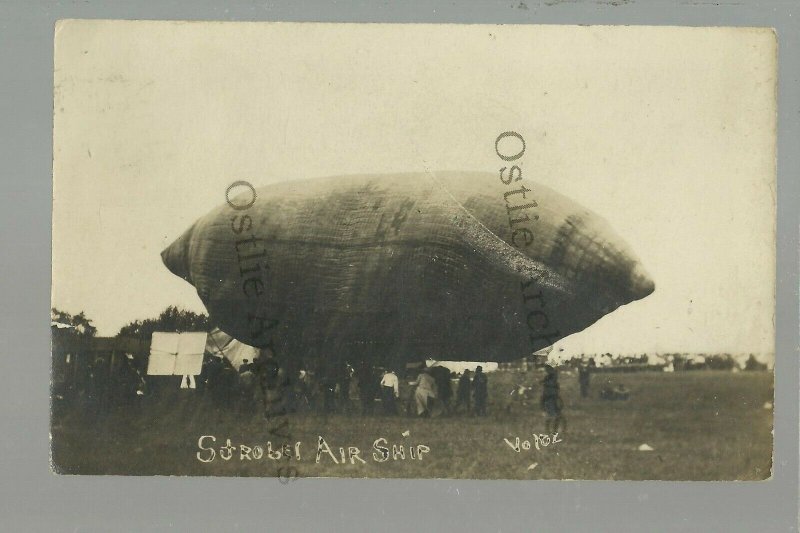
{"type": "Point", "coordinates": [481, 385]}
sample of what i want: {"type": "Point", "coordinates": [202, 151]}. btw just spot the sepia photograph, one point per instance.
{"type": "Point", "coordinates": [460, 251]}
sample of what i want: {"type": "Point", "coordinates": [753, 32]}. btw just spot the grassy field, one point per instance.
{"type": "Point", "coordinates": [702, 425]}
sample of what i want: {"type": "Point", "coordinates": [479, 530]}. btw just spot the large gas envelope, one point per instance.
{"type": "Point", "coordinates": [406, 266]}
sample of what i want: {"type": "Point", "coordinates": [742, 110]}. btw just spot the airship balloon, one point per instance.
{"type": "Point", "coordinates": [401, 267]}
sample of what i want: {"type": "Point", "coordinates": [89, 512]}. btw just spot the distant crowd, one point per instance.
{"type": "Point", "coordinates": [344, 388]}
{"type": "Point", "coordinates": [265, 385]}
{"type": "Point", "coordinates": [366, 390]}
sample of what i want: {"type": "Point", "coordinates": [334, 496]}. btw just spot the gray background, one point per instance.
{"type": "Point", "coordinates": [34, 499]}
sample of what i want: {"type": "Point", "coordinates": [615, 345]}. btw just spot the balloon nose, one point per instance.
{"type": "Point", "coordinates": [176, 256]}
{"type": "Point", "coordinates": [641, 284]}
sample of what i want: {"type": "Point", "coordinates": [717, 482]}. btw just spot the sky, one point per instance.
{"type": "Point", "coordinates": [667, 133]}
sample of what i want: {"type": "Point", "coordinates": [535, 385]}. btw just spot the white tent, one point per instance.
{"type": "Point", "coordinates": [459, 366]}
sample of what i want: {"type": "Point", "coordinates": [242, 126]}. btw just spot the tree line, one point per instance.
{"type": "Point", "coordinates": [173, 318]}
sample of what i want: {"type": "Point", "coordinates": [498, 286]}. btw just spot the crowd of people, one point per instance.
{"type": "Point", "coordinates": [265, 383]}
{"type": "Point", "coordinates": [368, 390]}
{"type": "Point", "coordinates": [341, 387]}
{"type": "Point", "coordinates": [344, 388]}
{"type": "Point", "coordinates": [433, 392]}
{"type": "Point", "coordinates": [103, 386]}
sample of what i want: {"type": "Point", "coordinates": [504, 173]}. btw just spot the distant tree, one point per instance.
{"type": "Point", "coordinates": [65, 326]}
{"type": "Point", "coordinates": [754, 364]}
{"type": "Point", "coordinates": [171, 319]}
{"type": "Point", "coordinates": [722, 361]}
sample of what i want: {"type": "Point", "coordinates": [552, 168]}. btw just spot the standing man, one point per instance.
{"type": "Point", "coordinates": [345, 374]}
{"type": "Point", "coordinates": [425, 393]}
{"type": "Point", "coordinates": [329, 382]}
{"type": "Point", "coordinates": [390, 392]}
{"type": "Point", "coordinates": [229, 378]}
{"type": "Point", "coordinates": [366, 388]}
{"type": "Point", "coordinates": [247, 382]}
{"type": "Point", "coordinates": [444, 389]}
{"type": "Point", "coordinates": [98, 385]}
{"type": "Point", "coordinates": [212, 381]}
{"type": "Point", "coordinates": [481, 385]}
{"type": "Point", "coordinates": [303, 389]}
{"type": "Point", "coordinates": [583, 380]}
{"type": "Point", "coordinates": [551, 401]}
{"type": "Point", "coordinates": [268, 373]}
{"type": "Point", "coordinates": [246, 366]}
{"type": "Point", "coordinates": [464, 390]}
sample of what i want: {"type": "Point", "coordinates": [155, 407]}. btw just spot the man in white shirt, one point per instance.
{"type": "Point", "coordinates": [390, 391]}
